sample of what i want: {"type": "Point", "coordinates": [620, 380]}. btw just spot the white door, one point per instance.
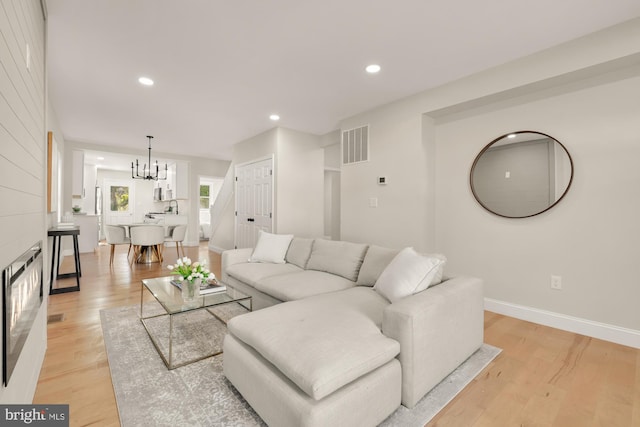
{"type": "Point", "coordinates": [254, 201]}
{"type": "Point", "coordinates": [118, 196]}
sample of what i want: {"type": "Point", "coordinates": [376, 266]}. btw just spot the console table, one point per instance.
{"type": "Point", "coordinates": [57, 234]}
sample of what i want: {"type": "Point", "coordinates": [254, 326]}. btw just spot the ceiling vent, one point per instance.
{"type": "Point", "coordinates": [355, 145]}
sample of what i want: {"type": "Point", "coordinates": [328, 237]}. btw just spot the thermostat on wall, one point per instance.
{"type": "Point", "coordinates": [382, 180]}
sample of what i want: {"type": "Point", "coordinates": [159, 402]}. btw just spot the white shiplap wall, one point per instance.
{"type": "Point", "coordinates": [23, 153]}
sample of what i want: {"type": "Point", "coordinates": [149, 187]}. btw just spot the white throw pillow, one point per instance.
{"type": "Point", "coordinates": [440, 273]}
{"type": "Point", "coordinates": [271, 248]}
{"type": "Point", "coordinates": [408, 273]}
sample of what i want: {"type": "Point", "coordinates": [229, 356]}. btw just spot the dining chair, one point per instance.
{"type": "Point", "coordinates": [146, 237]}
{"type": "Point", "coordinates": [177, 236]}
{"type": "Point", "coordinates": [116, 235]}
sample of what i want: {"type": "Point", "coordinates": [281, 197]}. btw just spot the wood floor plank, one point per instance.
{"type": "Point", "coordinates": [548, 377]}
{"type": "Point", "coordinates": [543, 377]}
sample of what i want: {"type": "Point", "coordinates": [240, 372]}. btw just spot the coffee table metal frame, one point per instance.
{"type": "Point", "coordinates": [170, 298]}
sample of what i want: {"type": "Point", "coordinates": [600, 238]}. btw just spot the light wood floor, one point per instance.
{"type": "Point", "coordinates": [543, 377]}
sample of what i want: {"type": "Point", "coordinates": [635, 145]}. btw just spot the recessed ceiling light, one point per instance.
{"type": "Point", "coordinates": [145, 81]}
{"type": "Point", "coordinates": [274, 117]}
{"type": "Point", "coordinates": [373, 68]}
{"type": "Point", "coordinates": [100, 158]}
{"type": "Point", "coordinates": [511, 135]}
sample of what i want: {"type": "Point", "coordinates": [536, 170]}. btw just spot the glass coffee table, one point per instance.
{"type": "Point", "coordinates": [186, 332]}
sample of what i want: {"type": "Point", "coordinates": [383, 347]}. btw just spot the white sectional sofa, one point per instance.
{"type": "Point", "coordinates": [326, 346]}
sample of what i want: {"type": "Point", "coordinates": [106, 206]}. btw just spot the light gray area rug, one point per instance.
{"type": "Point", "coordinates": [147, 393]}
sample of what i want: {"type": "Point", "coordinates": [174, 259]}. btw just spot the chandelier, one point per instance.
{"type": "Point", "coordinates": [146, 173]}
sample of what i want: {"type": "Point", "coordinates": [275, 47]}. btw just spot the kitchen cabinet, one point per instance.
{"type": "Point", "coordinates": [77, 174]}
{"type": "Point", "coordinates": [177, 184]}
{"type": "Point", "coordinates": [88, 238]}
{"type": "Point", "coordinates": [89, 200]}
{"type": "Point", "coordinates": [181, 186]}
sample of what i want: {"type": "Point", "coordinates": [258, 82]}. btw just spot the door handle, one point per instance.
{"type": "Point", "coordinates": [250, 219]}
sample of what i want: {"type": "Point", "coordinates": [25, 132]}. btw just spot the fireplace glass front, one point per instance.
{"type": "Point", "coordinates": [22, 295]}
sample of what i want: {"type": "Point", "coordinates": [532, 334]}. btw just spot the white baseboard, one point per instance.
{"type": "Point", "coordinates": [603, 331]}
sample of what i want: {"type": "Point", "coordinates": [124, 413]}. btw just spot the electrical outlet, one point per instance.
{"type": "Point", "coordinates": [556, 282]}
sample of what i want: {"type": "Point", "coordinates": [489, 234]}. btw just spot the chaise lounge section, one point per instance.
{"type": "Point", "coordinates": [331, 345]}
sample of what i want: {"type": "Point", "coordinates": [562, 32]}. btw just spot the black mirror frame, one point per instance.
{"type": "Point", "coordinates": [486, 147]}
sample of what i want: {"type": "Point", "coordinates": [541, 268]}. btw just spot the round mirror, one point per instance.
{"type": "Point", "coordinates": [521, 174]}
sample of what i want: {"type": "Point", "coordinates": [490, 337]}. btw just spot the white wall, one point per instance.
{"type": "Point", "coordinates": [585, 94]}
{"type": "Point", "coordinates": [299, 184]}
{"type": "Point", "coordinates": [586, 238]}
{"type": "Point", "coordinates": [396, 152]}
{"type": "Point", "coordinates": [332, 166]}
{"type": "Point", "coordinates": [23, 166]}
{"type": "Point", "coordinates": [332, 156]}
{"type": "Point", "coordinates": [332, 204]}
{"type": "Point", "coordinates": [260, 146]}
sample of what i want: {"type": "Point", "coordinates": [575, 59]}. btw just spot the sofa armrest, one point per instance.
{"type": "Point", "coordinates": [234, 256]}
{"type": "Point", "coordinates": [437, 329]}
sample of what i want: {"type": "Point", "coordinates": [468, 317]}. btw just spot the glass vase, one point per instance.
{"type": "Point", "coordinates": [190, 290]}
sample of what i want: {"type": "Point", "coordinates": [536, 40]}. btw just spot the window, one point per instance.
{"type": "Point", "coordinates": [119, 199]}
{"type": "Point", "coordinates": [204, 196]}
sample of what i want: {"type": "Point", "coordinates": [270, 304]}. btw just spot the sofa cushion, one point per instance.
{"type": "Point", "coordinates": [407, 274]}
{"type": "Point", "coordinates": [271, 247]}
{"type": "Point", "coordinates": [302, 284]}
{"type": "Point", "coordinates": [250, 272]}
{"type": "Point", "coordinates": [299, 251]}
{"type": "Point", "coordinates": [323, 342]}
{"type": "Point", "coordinates": [336, 257]}
{"type": "Point", "coordinates": [375, 261]}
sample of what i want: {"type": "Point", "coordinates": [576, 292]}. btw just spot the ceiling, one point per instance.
{"type": "Point", "coordinates": [222, 67]}
{"type": "Point", "coordinates": [119, 161]}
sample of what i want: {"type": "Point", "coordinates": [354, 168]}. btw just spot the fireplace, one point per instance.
{"type": "Point", "coordinates": [22, 285]}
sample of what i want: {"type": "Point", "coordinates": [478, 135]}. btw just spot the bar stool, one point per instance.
{"type": "Point", "coordinates": [57, 234]}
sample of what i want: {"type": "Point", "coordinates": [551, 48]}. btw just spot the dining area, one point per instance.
{"type": "Point", "coordinates": [145, 241]}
